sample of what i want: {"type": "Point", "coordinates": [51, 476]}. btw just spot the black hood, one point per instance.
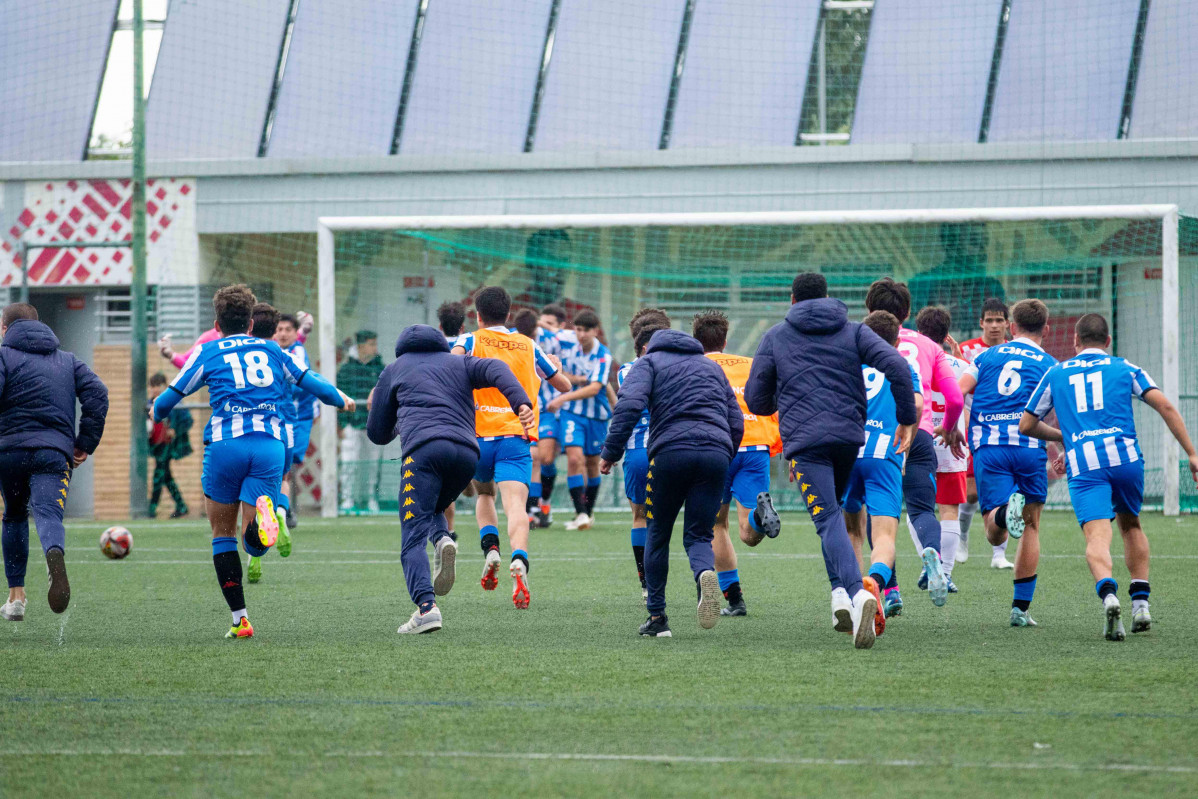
{"type": "Point", "coordinates": [674, 341]}
{"type": "Point", "coordinates": [821, 317]}
{"type": "Point", "coordinates": [421, 338]}
{"type": "Point", "coordinates": [27, 335]}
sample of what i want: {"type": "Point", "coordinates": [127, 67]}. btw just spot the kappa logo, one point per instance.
{"type": "Point", "coordinates": [408, 460]}
{"type": "Point", "coordinates": [407, 487]}
{"type": "Point", "coordinates": [649, 514]}
{"type": "Point", "coordinates": [648, 500]}
{"type": "Point", "coordinates": [407, 474]}
{"type": "Point", "coordinates": [649, 476]}
{"type": "Point", "coordinates": [648, 489]}
{"type": "Point", "coordinates": [816, 511]}
{"type": "Point", "coordinates": [409, 501]}
{"type": "Point", "coordinates": [409, 515]}
{"type": "Point", "coordinates": [804, 487]}
{"type": "Point", "coordinates": [810, 498]}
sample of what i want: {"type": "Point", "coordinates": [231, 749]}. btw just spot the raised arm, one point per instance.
{"type": "Point", "coordinates": [763, 381]}
{"type": "Point", "coordinates": [633, 398]}
{"type": "Point", "coordinates": [873, 351]}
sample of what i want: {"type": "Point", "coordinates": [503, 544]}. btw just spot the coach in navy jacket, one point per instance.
{"type": "Point", "coordinates": [426, 397]}
{"type": "Point", "coordinates": [695, 428]}
{"type": "Point", "coordinates": [808, 369]}
{"type": "Point", "coordinates": [39, 445]}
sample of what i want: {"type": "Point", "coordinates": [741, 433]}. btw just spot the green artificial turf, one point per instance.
{"type": "Point", "coordinates": [134, 692]}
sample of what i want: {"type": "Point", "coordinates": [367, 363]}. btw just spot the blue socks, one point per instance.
{"type": "Point", "coordinates": [549, 470]}
{"type": "Point", "coordinates": [639, 534]}
{"type": "Point", "coordinates": [728, 578]}
{"type": "Point", "coordinates": [1025, 589]}
{"type": "Point", "coordinates": [520, 554]}
{"type": "Point", "coordinates": [488, 538]}
{"type": "Point", "coordinates": [1105, 587]}
{"type": "Point", "coordinates": [882, 575]}
{"type": "Point", "coordinates": [534, 491]}
{"type": "Point", "coordinates": [220, 545]}
{"type": "Point", "coordinates": [575, 481]}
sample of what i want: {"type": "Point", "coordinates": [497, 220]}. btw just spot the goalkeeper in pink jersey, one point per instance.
{"type": "Point", "coordinates": [919, 478]}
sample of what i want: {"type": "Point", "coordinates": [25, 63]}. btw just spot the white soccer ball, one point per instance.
{"type": "Point", "coordinates": [116, 542]}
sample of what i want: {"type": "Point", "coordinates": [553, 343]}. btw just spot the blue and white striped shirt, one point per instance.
{"type": "Point", "coordinates": [306, 407]}
{"type": "Point", "coordinates": [1092, 394]}
{"type": "Point", "coordinates": [548, 342]}
{"type": "Point", "coordinates": [881, 416]}
{"type": "Point", "coordinates": [596, 366]}
{"type": "Point", "coordinates": [640, 434]}
{"type": "Point", "coordinates": [1006, 376]}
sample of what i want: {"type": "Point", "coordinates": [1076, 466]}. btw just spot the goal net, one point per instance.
{"type": "Point", "coordinates": [1137, 265]}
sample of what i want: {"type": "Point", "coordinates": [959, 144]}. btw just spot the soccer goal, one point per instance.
{"type": "Point", "coordinates": [1136, 264]}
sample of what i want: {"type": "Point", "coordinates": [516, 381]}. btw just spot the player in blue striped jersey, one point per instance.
{"type": "Point", "coordinates": [248, 379]}
{"type": "Point", "coordinates": [876, 482]}
{"type": "Point", "coordinates": [544, 473]}
{"type": "Point", "coordinates": [1010, 467]}
{"type": "Point", "coordinates": [585, 412]}
{"type": "Point", "coordinates": [1092, 394]}
{"type": "Point", "coordinates": [287, 336]}
{"type": "Point", "coordinates": [451, 316]}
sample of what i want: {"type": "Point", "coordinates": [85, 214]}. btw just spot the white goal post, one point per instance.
{"type": "Point", "coordinates": [1167, 215]}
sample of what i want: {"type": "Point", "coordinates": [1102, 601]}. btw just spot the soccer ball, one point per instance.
{"type": "Point", "coordinates": [116, 542]}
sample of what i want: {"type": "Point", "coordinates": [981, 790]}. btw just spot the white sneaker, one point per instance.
{"type": "Point", "coordinates": [580, 522]}
{"type": "Point", "coordinates": [842, 611]}
{"type": "Point", "coordinates": [13, 610]}
{"type": "Point", "coordinates": [445, 555]}
{"type": "Point", "coordinates": [490, 578]}
{"type": "Point", "coordinates": [1001, 562]}
{"type": "Point", "coordinates": [1113, 627]}
{"type": "Point", "coordinates": [862, 614]}
{"type": "Point", "coordinates": [709, 599]}
{"type": "Point", "coordinates": [428, 622]}
{"type": "Point", "coordinates": [1141, 619]}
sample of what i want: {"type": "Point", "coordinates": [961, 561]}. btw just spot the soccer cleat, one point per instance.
{"type": "Point", "coordinates": [922, 582]}
{"type": "Point", "coordinates": [871, 585]}
{"type": "Point", "coordinates": [1020, 618]}
{"type": "Point", "coordinates": [520, 594]}
{"type": "Point", "coordinates": [253, 570]}
{"type": "Point", "coordinates": [580, 522]}
{"type": "Point", "coordinates": [1113, 628]}
{"type": "Point", "coordinates": [13, 610]}
{"type": "Point", "coordinates": [284, 543]}
{"type": "Point", "coordinates": [490, 579]}
{"type": "Point", "coordinates": [1001, 562]}
{"type": "Point", "coordinates": [656, 627]}
{"type": "Point", "coordinates": [445, 557]}
{"type": "Point", "coordinates": [842, 611]}
{"type": "Point", "coordinates": [59, 593]}
{"type": "Point", "coordinates": [292, 519]}
{"type": "Point", "coordinates": [427, 622]}
{"type": "Point", "coordinates": [893, 603]}
{"type": "Point", "coordinates": [546, 518]}
{"type": "Point", "coordinates": [1014, 515]}
{"type": "Point", "coordinates": [865, 607]}
{"type": "Point", "coordinates": [1141, 619]}
{"type": "Point", "coordinates": [937, 583]}
{"type": "Point", "coordinates": [766, 517]}
{"type": "Point", "coordinates": [952, 587]}
{"type": "Point", "coordinates": [736, 608]}
{"type": "Point", "coordinates": [708, 609]}
{"type": "Point", "coordinates": [242, 630]}
{"type": "Point", "coordinates": [268, 523]}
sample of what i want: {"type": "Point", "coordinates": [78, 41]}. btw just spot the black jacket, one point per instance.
{"type": "Point", "coordinates": [691, 405]}
{"type": "Point", "coordinates": [426, 394]}
{"type": "Point", "coordinates": [808, 369]}
{"type": "Point", "coordinates": [39, 384]}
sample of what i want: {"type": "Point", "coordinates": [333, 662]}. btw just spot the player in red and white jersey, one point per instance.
{"type": "Point", "coordinates": [995, 324]}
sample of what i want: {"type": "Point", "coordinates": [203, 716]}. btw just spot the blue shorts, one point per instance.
{"type": "Point", "coordinates": [1101, 493]}
{"type": "Point", "coordinates": [579, 431]}
{"type": "Point", "coordinates": [504, 460]}
{"type": "Point", "coordinates": [549, 426]}
{"type": "Point", "coordinates": [303, 432]}
{"type": "Point", "coordinates": [1001, 471]}
{"type": "Point", "coordinates": [748, 476]}
{"type": "Point", "coordinates": [243, 468]}
{"type": "Point", "coordinates": [636, 471]}
{"type": "Point", "coordinates": [288, 445]}
{"type": "Point", "coordinates": [876, 484]}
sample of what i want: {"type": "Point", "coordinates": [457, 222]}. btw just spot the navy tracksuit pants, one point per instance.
{"type": "Point", "coordinates": [919, 489]}
{"type": "Point", "coordinates": [677, 478]}
{"type": "Point", "coordinates": [37, 480]}
{"type": "Point", "coordinates": [433, 477]}
{"type": "Point", "coordinates": [822, 475]}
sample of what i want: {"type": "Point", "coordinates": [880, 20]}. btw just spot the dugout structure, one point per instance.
{"type": "Point", "coordinates": [1136, 264]}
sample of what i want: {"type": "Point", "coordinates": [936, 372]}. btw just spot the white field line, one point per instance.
{"type": "Point", "coordinates": [1030, 765]}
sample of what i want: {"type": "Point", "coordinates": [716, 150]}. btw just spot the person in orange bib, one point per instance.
{"type": "Point", "coordinates": [504, 458]}
{"type": "Point", "coordinates": [748, 474]}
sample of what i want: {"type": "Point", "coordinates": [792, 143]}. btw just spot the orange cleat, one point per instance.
{"type": "Point", "coordinates": [520, 594]}
{"type": "Point", "coordinates": [242, 630]}
{"type": "Point", "coordinates": [490, 578]}
{"type": "Point", "coordinates": [871, 585]}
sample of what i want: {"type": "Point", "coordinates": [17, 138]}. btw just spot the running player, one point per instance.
{"type": "Point", "coordinates": [1010, 467]}
{"type": "Point", "coordinates": [1092, 394]}
{"type": "Point", "coordinates": [504, 461]}
{"type": "Point", "coordinates": [549, 432]}
{"type": "Point", "coordinates": [585, 411]}
{"type": "Point", "coordinates": [287, 336]}
{"type": "Point", "coordinates": [919, 477]}
{"type": "Point", "coordinates": [995, 327]}
{"type": "Point", "coordinates": [748, 474]}
{"type": "Point", "coordinates": [247, 380]}
{"type": "Point", "coordinates": [451, 316]}
{"type": "Point", "coordinates": [876, 485]}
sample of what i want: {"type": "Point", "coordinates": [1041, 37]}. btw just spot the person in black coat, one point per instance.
{"type": "Point", "coordinates": [695, 428]}
{"type": "Point", "coordinates": [40, 446]}
{"type": "Point", "coordinates": [425, 398]}
{"type": "Point", "coordinates": [808, 370]}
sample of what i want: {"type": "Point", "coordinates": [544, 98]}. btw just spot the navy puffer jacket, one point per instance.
{"type": "Point", "coordinates": [426, 394]}
{"type": "Point", "coordinates": [691, 405]}
{"type": "Point", "coordinates": [808, 369]}
{"type": "Point", "coordinates": [39, 384]}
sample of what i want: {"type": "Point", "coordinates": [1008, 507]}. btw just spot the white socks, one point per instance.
{"type": "Point", "coordinates": [238, 615]}
{"type": "Point", "coordinates": [1000, 551]}
{"type": "Point", "coordinates": [950, 538]}
{"type": "Point", "coordinates": [965, 513]}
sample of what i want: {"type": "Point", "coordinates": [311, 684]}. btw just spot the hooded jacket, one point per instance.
{"type": "Point", "coordinates": [691, 405]}
{"type": "Point", "coordinates": [426, 394]}
{"type": "Point", "coordinates": [39, 384]}
{"type": "Point", "coordinates": [808, 369]}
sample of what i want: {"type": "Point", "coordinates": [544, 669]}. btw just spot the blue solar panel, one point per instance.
{"type": "Point", "coordinates": [1166, 105]}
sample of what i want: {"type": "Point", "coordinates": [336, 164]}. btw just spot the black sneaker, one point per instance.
{"type": "Point", "coordinates": [59, 595]}
{"type": "Point", "coordinates": [179, 513]}
{"type": "Point", "coordinates": [545, 521]}
{"type": "Point", "coordinates": [292, 520]}
{"type": "Point", "coordinates": [736, 608]}
{"type": "Point", "coordinates": [766, 517]}
{"type": "Point", "coordinates": [656, 627]}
